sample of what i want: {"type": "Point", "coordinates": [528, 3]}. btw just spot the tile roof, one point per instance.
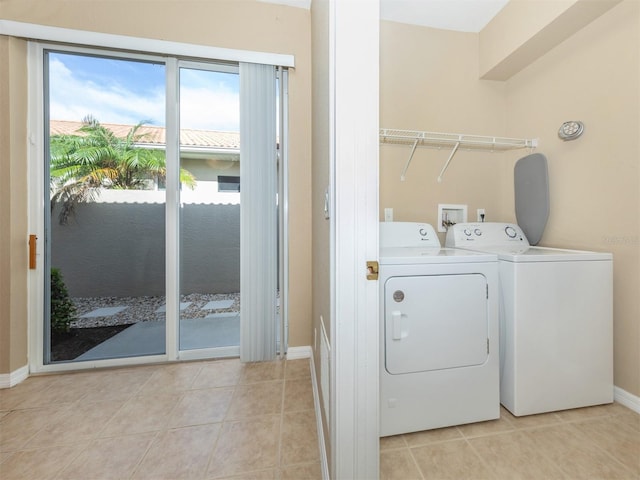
{"type": "Point", "coordinates": [156, 135]}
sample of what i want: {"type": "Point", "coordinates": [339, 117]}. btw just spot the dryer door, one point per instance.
{"type": "Point", "coordinates": [434, 322]}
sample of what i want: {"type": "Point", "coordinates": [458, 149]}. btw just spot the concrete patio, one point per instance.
{"type": "Point", "coordinates": [206, 321]}
{"type": "Point", "coordinates": [148, 338]}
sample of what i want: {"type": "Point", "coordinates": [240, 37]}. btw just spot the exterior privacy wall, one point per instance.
{"type": "Point", "coordinates": [89, 249]}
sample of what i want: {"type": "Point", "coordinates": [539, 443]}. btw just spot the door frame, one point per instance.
{"type": "Point", "coordinates": [37, 137]}
{"type": "Point", "coordinates": [37, 183]}
{"type": "Point", "coordinates": [173, 228]}
{"type": "Point", "coordinates": [354, 138]}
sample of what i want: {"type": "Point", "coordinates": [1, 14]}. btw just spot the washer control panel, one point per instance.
{"type": "Point", "coordinates": [485, 234]}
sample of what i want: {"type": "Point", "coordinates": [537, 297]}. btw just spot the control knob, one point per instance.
{"type": "Point", "coordinates": [511, 232]}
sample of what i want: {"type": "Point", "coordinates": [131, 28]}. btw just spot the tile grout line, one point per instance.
{"type": "Point", "coordinates": [69, 461]}
{"type": "Point", "coordinates": [598, 445]}
{"type": "Point", "coordinates": [222, 423]}
{"type": "Point", "coordinates": [545, 455]}
{"type": "Point", "coordinates": [213, 450]}
{"type": "Point", "coordinates": [157, 433]}
{"type": "Point", "coordinates": [415, 462]}
{"type": "Point", "coordinates": [480, 457]}
{"type": "Point", "coordinates": [99, 432]}
{"type": "Point", "coordinates": [140, 461]}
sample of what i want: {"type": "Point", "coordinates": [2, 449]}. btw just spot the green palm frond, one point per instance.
{"type": "Point", "coordinates": [95, 158]}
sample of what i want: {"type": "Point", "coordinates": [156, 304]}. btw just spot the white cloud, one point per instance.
{"type": "Point", "coordinates": [73, 99]}
{"type": "Point", "coordinates": [202, 108]}
{"type": "Point", "coordinates": [206, 109]}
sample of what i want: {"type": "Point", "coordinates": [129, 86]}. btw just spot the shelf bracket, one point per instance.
{"type": "Point", "coordinates": [413, 150]}
{"type": "Point", "coordinates": [453, 152]}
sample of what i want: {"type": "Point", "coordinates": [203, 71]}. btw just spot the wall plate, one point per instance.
{"type": "Point", "coordinates": [449, 214]}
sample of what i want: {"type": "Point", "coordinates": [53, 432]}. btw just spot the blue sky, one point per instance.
{"type": "Point", "coordinates": [128, 92]}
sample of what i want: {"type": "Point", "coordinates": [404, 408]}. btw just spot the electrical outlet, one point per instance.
{"type": "Point", "coordinates": [388, 214]}
{"type": "Point", "coordinates": [481, 215]}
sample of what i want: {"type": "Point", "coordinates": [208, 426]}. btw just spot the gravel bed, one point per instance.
{"type": "Point", "coordinates": [145, 309]}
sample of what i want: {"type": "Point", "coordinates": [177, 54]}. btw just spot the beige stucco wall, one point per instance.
{"type": "Point", "coordinates": [5, 216]}
{"type": "Point", "coordinates": [525, 30]}
{"type": "Point", "coordinates": [247, 25]}
{"type": "Point", "coordinates": [321, 161]}
{"type": "Point", "coordinates": [513, 27]}
{"type": "Point", "coordinates": [593, 76]}
{"type": "Point", "coordinates": [434, 86]}
{"type": "Point", "coordinates": [13, 206]}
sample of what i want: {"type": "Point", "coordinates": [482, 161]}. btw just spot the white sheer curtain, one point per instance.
{"type": "Point", "coordinates": [258, 213]}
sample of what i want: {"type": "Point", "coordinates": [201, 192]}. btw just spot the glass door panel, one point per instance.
{"type": "Point", "coordinates": [209, 208]}
{"type": "Point", "coordinates": [105, 208]}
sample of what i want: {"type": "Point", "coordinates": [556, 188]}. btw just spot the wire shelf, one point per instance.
{"type": "Point", "coordinates": [436, 139]}
{"type": "Point", "coordinates": [454, 140]}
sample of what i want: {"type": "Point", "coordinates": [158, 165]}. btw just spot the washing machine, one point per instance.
{"type": "Point", "coordinates": [556, 320]}
{"type": "Point", "coordinates": [439, 361]}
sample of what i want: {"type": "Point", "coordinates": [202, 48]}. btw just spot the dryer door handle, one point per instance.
{"type": "Point", "coordinates": [396, 320]}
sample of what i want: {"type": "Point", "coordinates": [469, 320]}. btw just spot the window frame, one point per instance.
{"type": "Point", "coordinates": [234, 186]}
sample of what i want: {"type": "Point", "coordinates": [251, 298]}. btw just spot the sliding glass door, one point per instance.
{"type": "Point", "coordinates": [105, 207]}
{"type": "Point", "coordinates": [142, 217]}
{"type": "Point", "coordinates": [210, 209]}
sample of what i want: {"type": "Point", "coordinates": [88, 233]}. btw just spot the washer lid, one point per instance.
{"type": "Point", "coordinates": [434, 255]}
{"type": "Point", "coordinates": [519, 254]}
{"type": "Point", "coordinates": [531, 188]}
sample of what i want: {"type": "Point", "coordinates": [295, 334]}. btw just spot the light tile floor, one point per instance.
{"type": "Point", "coordinates": [223, 419]}
{"type": "Point", "coordinates": [600, 442]}
{"type": "Point", "coordinates": [194, 420]}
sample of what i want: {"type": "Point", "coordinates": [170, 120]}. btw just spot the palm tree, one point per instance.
{"type": "Point", "coordinates": [96, 158]}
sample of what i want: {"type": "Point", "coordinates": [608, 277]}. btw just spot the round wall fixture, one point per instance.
{"type": "Point", "coordinates": [571, 130]}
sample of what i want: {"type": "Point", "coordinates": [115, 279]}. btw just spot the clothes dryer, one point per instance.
{"type": "Point", "coordinates": [556, 320]}
{"type": "Point", "coordinates": [439, 360]}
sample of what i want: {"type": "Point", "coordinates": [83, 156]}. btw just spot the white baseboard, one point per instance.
{"type": "Point", "coordinates": [627, 399]}
{"type": "Point", "coordinates": [324, 464]}
{"type": "Point", "coordinates": [294, 353]}
{"type": "Point", "coordinates": [8, 380]}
